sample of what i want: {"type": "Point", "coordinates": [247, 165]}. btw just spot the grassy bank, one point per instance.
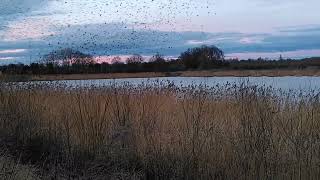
{"type": "Point", "coordinates": [204, 73]}
{"type": "Point", "coordinates": [161, 132]}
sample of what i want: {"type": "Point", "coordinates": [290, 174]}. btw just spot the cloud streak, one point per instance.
{"type": "Point", "coordinates": [9, 51]}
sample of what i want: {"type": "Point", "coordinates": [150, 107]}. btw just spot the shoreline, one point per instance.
{"type": "Point", "coordinates": [207, 73]}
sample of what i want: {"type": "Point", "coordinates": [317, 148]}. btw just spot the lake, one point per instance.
{"type": "Point", "coordinates": [303, 83]}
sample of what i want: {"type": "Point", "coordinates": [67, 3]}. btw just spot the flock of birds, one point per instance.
{"type": "Point", "coordinates": [119, 26]}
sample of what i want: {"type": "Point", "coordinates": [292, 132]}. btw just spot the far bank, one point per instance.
{"type": "Point", "coordinates": [207, 73]}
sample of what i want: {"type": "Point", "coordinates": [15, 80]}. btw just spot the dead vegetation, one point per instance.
{"type": "Point", "coordinates": [161, 132]}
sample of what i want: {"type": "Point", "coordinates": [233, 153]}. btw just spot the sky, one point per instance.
{"type": "Point", "coordinates": [29, 29]}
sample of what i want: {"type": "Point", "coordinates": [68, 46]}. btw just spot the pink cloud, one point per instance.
{"type": "Point", "coordinates": [108, 59]}
{"type": "Point", "coordinates": [29, 28]}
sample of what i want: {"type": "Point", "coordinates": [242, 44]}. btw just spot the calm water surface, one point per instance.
{"type": "Point", "coordinates": [304, 83]}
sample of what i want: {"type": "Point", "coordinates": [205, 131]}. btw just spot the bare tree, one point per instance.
{"type": "Point", "coordinates": [135, 59]}
{"type": "Point", "coordinates": [116, 60]}
{"type": "Point", "coordinates": [157, 58]}
{"type": "Point", "coordinates": [192, 58]}
{"type": "Point", "coordinates": [67, 56]}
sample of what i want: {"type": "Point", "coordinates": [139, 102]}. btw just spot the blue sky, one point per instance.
{"type": "Point", "coordinates": [243, 28]}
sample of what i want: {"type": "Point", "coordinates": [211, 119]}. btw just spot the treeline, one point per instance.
{"type": "Point", "coordinates": [68, 61]}
{"type": "Point", "coordinates": [260, 64]}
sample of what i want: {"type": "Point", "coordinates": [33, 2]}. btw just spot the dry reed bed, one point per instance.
{"type": "Point", "coordinates": [162, 132]}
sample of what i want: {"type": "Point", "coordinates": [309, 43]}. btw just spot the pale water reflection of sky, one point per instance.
{"type": "Point", "coordinates": [242, 28]}
{"type": "Point", "coordinates": [303, 84]}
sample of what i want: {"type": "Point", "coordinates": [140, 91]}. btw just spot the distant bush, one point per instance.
{"type": "Point", "coordinates": [201, 56]}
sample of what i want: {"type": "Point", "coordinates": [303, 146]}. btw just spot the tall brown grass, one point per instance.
{"type": "Point", "coordinates": [162, 132]}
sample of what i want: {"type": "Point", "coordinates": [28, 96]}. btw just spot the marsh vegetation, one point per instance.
{"type": "Point", "coordinates": [159, 132]}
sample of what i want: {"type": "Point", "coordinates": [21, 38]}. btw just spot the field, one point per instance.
{"type": "Point", "coordinates": [158, 132]}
